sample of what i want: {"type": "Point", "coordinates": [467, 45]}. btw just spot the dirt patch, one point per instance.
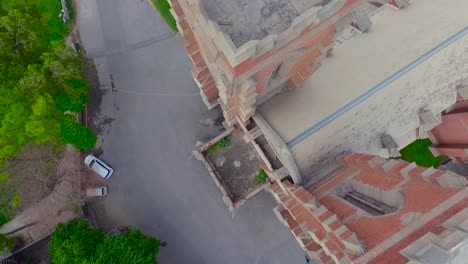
{"type": "Point", "coordinates": [237, 166]}
{"type": "Point", "coordinates": [32, 175]}
{"type": "Point", "coordinates": [93, 108]}
{"type": "Point", "coordinates": [61, 205]}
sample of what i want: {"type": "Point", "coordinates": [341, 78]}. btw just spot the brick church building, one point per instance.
{"type": "Point", "coordinates": [367, 210]}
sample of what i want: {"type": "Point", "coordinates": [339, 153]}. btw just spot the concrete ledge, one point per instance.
{"type": "Point", "coordinates": [280, 148]}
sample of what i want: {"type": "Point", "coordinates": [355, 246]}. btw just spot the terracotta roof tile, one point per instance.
{"type": "Point", "coordinates": [327, 186]}
{"type": "Point", "coordinates": [302, 195]}
{"type": "Point", "coordinates": [339, 207]}
{"type": "Point", "coordinates": [378, 180]}
{"type": "Point", "coordinates": [346, 234]}
{"type": "Point", "coordinates": [312, 246]}
{"type": "Point", "coordinates": [419, 196]}
{"type": "Point", "coordinates": [325, 216]}
{"type": "Point", "coordinates": [325, 259]}
{"type": "Point", "coordinates": [335, 225]}
{"type": "Point", "coordinates": [392, 254]}
{"type": "Point", "coordinates": [276, 188]}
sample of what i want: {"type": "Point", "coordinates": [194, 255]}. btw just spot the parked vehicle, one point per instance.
{"type": "Point", "coordinates": [96, 192]}
{"type": "Point", "coordinates": [98, 166]}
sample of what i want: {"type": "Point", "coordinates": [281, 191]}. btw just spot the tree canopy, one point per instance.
{"type": "Point", "coordinates": [41, 79]}
{"type": "Point", "coordinates": [76, 242]}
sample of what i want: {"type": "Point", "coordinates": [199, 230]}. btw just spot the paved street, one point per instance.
{"type": "Point", "coordinates": [151, 115]}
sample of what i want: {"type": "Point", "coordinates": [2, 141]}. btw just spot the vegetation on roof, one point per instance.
{"type": "Point", "coordinates": [262, 176]}
{"type": "Point", "coordinates": [221, 144]}
{"type": "Point", "coordinates": [418, 151]}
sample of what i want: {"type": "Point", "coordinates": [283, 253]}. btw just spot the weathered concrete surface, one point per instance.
{"type": "Point", "coordinates": [237, 166]}
{"type": "Point", "coordinates": [397, 38]}
{"type": "Point", "coordinates": [245, 20]}
{"type": "Point", "coordinates": [157, 118]}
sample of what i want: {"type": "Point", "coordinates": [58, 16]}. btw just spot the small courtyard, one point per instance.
{"type": "Point", "coordinates": [236, 165]}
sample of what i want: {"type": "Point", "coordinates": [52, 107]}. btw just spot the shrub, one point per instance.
{"type": "Point", "coordinates": [6, 243]}
{"type": "Point", "coordinates": [418, 151]}
{"type": "Point", "coordinates": [3, 218]}
{"type": "Point", "coordinates": [76, 134]}
{"type": "Point", "coordinates": [262, 176]}
{"type": "Point", "coordinates": [15, 201]}
{"type": "Point", "coordinates": [221, 144]}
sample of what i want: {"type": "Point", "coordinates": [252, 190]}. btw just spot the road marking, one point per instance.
{"type": "Point", "coordinates": [311, 130]}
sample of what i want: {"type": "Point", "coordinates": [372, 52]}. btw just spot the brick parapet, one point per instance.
{"type": "Point", "coordinates": [450, 137]}
{"type": "Point", "coordinates": [320, 232]}
{"type": "Point", "coordinates": [308, 20]}
{"type": "Point", "coordinates": [420, 196]}
{"type": "Point", "coordinates": [210, 48]}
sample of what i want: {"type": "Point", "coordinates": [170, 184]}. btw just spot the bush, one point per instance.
{"type": "Point", "coordinates": [76, 134]}
{"type": "Point", "coordinates": [6, 243]}
{"type": "Point", "coordinates": [3, 218]}
{"type": "Point", "coordinates": [221, 144]}
{"type": "Point", "coordinates": [418, 151]}
{"type": "Point", "coordinates": [262, 176]}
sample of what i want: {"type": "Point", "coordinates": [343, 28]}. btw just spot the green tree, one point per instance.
{"type": "Point", "coordinates": [76, 134]}
{"type": "Point", "coordinates": [74, 242]}
{"type": "Point", "coordinates": [77, 242]}
{"type": "Point", "coordinates": [41, 79]}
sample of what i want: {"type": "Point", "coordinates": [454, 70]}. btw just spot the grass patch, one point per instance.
{"type": "Point", "coordinates": [262, 176]}
{"type": "Point", "coordinates": [419, 152]}
{"type": "Point", "coordinates": [162, 6]}
{"type": "Point", "coordinates": [221, 144]}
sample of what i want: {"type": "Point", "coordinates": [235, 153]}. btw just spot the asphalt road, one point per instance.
{"type": "Point", "coordinates": [150, 116]}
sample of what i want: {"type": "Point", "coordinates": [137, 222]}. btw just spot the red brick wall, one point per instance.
{"type": "Point", "coordinates": [302, 218]}
{"type": "Point", "coordinates": [453, 130]}
{"type": "Point", "coordinates": [418, 186]}
{"type": "Point", "coordinates": [261, 67]}
{"type": "Point", "coordinates": [200, 71]}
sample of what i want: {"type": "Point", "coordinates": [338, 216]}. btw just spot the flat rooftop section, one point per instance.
{"type": "Point", "coordinates": [245, 20]}
{"type": "Point", "coordinates": [361, 63]}
{"type": "Point", "coordinates": [237, 166]}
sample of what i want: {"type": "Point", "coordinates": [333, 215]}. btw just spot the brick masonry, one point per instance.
{"type": "Point", "coordinates": [333, 230]}
{"type": "Point", "coordinates": [239, 77]}
{"type": "Point", "coordinates": [450, 138]}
